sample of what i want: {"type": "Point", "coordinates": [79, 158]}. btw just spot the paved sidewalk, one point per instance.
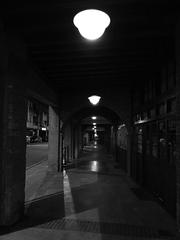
{"type": "Point", "coordinates": [93, 201]}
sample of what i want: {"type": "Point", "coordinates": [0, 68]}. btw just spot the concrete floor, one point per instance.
{"type": "Point", "coordinates": [93, 201]}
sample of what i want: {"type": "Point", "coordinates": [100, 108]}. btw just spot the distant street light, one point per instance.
{"type": "Point", "coordinates": [94, 100]}
{"type": "Point", "coordinates": [91, 23]}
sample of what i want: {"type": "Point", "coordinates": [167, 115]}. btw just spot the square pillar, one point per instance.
{"type": "Point", "coordinates": [76, 143]}
{"type": "Point", "coordinates": [13, 109]}
{"type": "Point", "coordinates": [54, 149]}
{"type": "Point", "coordinates": [67, 141]}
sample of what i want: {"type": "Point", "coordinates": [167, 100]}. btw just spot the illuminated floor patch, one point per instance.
{"type": "Point", "coordinates": [108, 228]}
{"type": "Point", "coordinates": [68, 200]}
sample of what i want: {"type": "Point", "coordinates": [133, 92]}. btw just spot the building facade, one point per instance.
{"type": "Point", "coordinates": [37, 120]}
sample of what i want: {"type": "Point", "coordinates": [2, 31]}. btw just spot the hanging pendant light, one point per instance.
{"type": "Point", "coordinates": [94, 100]}
{"type": "Point", "coordinates": [91, 23]}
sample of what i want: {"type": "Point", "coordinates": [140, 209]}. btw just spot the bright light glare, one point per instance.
{"type": "Point", "coordinates": [94, 166]}
{"type": "Point", "coordinates": [94, 118]}
{"type": "Point", "coordinates": [91, 23]}
{"type": "Point", "coordinates": [94, 100]}
{"type": "Point", "coordinates": [94, 124]}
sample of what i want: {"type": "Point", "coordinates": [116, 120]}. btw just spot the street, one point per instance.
{"type": "Point", "coordinates": [36, 153]}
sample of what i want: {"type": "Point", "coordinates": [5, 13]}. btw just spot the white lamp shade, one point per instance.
{"type": "Point", "coordinates": [94, 100]}
{"type": "Point", "coordinates": [94, 118]}
{"type": "Point", "coordinates": [91, 23]}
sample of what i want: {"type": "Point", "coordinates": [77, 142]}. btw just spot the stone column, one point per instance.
{"type": "Point", "coordinates": [67, 141]}
{"type": "Point", "coordinates": [71, 150]}
{"type": "Point", "coordinates": [80, 139]}
{"type": "Point", "coordinates": [76, 136]}
{"type": "Point", "coordinates": [115, 144]}
{"type": "Point", "coordinates": [12, 151]}
{"type": "Point", "coordinates": [13, 108]}
{"type": "Point", "coordinates": [129, 150]}
{"type": "Point", "coordinates": [54, 149]}
{"type": "Point", "coordinates": [178, 120]}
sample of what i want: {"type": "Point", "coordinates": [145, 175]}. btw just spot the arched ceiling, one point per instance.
{"type": "Point", "coordinates": [98, 120]}
{"type": "Point", "coordinates": [101, 123]}
{"type": "Point", "coordinates": [86, 113]}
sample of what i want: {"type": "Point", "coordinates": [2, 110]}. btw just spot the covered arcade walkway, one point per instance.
{"type": "Point", "coordinates": [95, 200]}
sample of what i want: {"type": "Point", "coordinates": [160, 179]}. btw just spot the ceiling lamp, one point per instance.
{"type": "Point", "coordinates": [94, 100]}
{"type": "Point", "coordinates": [91, 23]}
{"type": "Point", "coordinates": [94, 118]}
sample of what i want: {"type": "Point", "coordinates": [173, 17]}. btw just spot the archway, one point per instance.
{"type": "Point", "coordinates": [77, 132]}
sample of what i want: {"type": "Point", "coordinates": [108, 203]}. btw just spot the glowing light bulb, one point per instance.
{"type": "Point", "coordinates": [94, 118]}
{"type": "Point", "coordinates": [94, 100]}
{"type": "Point", "coordinates": [91, 23]}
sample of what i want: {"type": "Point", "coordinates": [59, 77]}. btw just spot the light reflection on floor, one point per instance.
{"type": "Point", "coordinates": [69, 208]}
{"type": "Point", "coordinates": [68, 200]}
{"type": "Point", "coordinates": [95, 144]}
{"type": "Point", "coordinates": [94, 166]}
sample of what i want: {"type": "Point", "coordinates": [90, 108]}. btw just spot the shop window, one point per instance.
{"type": "Point", "coordinates": [171, 141]}
{"type": "Point", "coordinates": [139, 140]}
{"type": "Point", "coordinates": [154, 140]}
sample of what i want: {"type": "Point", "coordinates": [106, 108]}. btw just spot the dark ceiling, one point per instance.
{"type": "Point", "coordinates": [138, 37]}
